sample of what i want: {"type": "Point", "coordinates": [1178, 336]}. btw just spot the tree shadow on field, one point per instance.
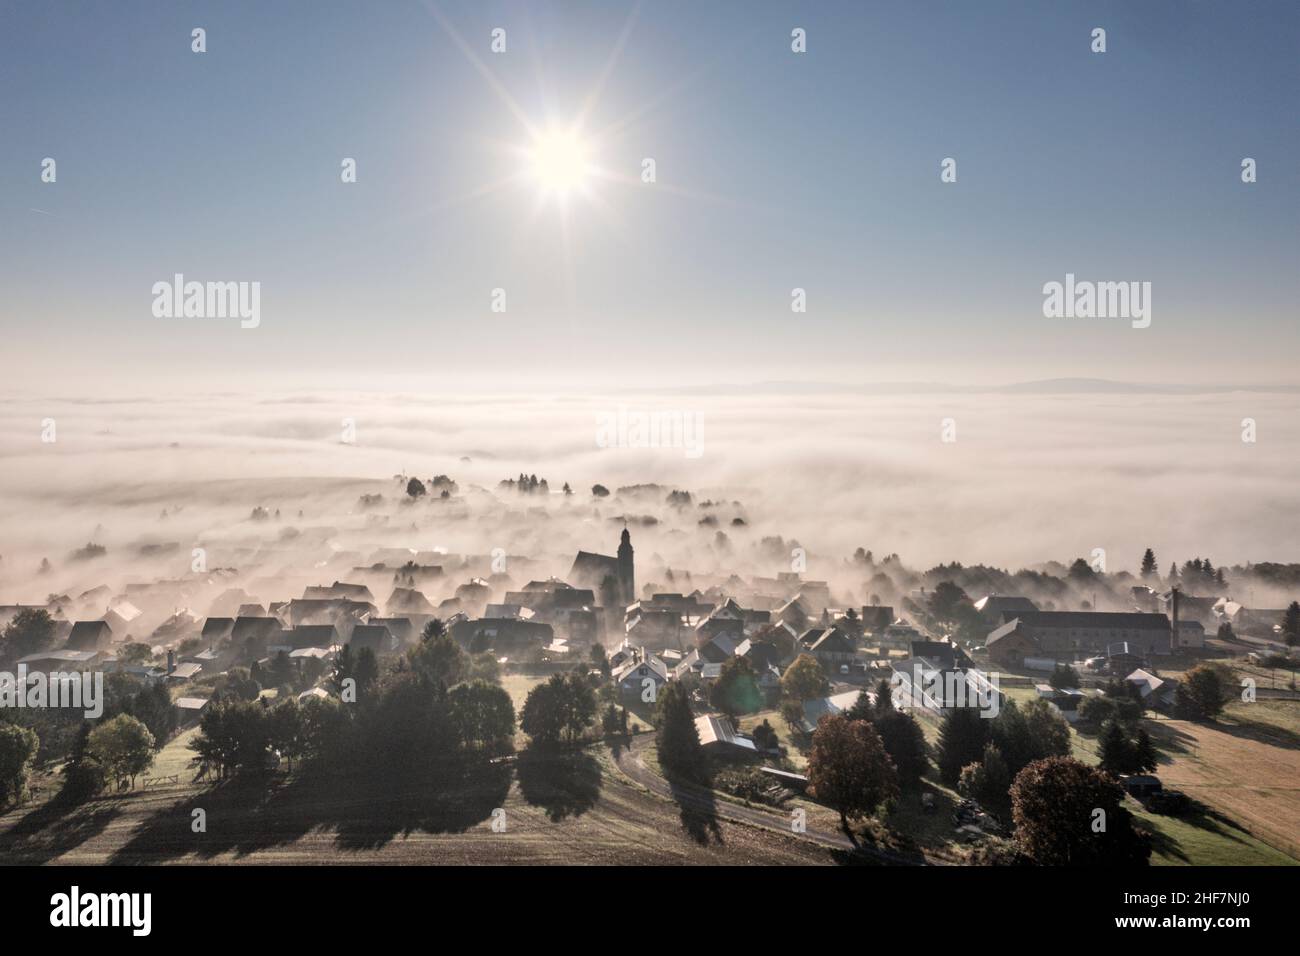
{"type": "Point", "coordinates": [697, 805]}
{"type": "Point", "coordinates": [55, 828]}
{"type": "Point", "coordinates": [562, 784]}
{"type": "Point", "coordinates": [364, 811]}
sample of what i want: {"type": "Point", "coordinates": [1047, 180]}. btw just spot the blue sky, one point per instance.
{"type": "Point", "coordinates": [775, 170]}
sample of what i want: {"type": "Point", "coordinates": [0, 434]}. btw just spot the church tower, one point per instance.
{"type": "Point", "coordinates": [626, 577]}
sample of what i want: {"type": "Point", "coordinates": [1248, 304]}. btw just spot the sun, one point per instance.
{"type": "Point", "coordinates": [559, 161]}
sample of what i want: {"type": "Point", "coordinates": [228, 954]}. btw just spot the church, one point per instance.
{"type": "Point", "coordinates": [593, 570]}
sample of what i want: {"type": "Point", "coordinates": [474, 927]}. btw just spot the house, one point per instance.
{"type": "Point", "coordinates": [815, 710]}
{"type": "Point", "coordinates": [794, 613]}
{"type": "Point", "coordinates": [1153, 691]}
{"type": "Point", "coordinates": [898, 636]}
{"type": "Point", "coordinates": [718, 650]}
{"type": "Point", "coordinates": [189, 710]}
{"type": "Point", "coordinates": [943, 654]}
{"type": "Point", "coordinates": [63, 660]}
{"type": "Point", "coordinates": [180, 673]}
{"type": "Point", "coordinates": [217, 629]}
{"type": "Point", "coordinates": [501, 635]}
{"type": "Point", "coordinates": [1191, 635]}
{"type": "Point", "coordinates": [760, 654]}
{"type": "Point", "coordinates": [1064, 700]}
{"type": "Point", "coordinates": [996, 609]}
{"type": "Point", "coordinates": [252, 636]}
{"type": "Point", "coordinates": [306, 635]}
{"type": "Point", "coordinates": [405, 629]}
{"type": "Point", "coordinates": [339, 591]}
{"type": "Point", "coordinates": [90, 636]}
{"type": "Point", "coordinates": [376, 637]}
{"type": "Point", "coordinates": [1191, 607]}
{"type": "Point", "coordinates": [634, 678]}
{"type": "Point", "coordinates": [718, 736]}
{"type": "Point", "coordinates": [1066, 634]}
{"type": "Point", "coordinates": [830, 645]}
{"type": "Point", "coordinates": [404, 601]}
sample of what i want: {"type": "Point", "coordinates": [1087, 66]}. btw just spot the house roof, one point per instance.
{"type": "Point", "coordinates": [1083, 620]}
{"type": "Point", "coordinates": [719, 730]}
{"type": "Point", "coordinates": [89, 635]}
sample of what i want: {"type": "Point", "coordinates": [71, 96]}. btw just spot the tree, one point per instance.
{"type": "Point", "coordinates": [286, 730]}
{"type": "Point", "coordinates": [945, 599]}
{"type": "Point", "coordinates": [904, 741]}
{"type": "Point", "coordinates": [31, 631]}
{"type": "Point", "coordinates": [1201, 694]}
{"type": "Point", "coordinates": [415, 488]}
{"type": "Point", "coordinates": [18, 746]}
{"type": "Point", "coordinates": [600, 659]}
{"type": "Point", "coordinates": [848, 769]}
{"type": "Point", "coordinates": [1115, 750]}
{"type": "Point", "coordinates": [884, 696]}
{"type": "Point", "coordinates": [611, 723]}
{"type": "Point", "coordinates": [233, 735]}
{"type": "Point", "coordinates": [988, 783]}
{"type": "Point", "coordinates": [564, 705]}
{"type": "Point", "coordinates": [483, 667]}
{"type": "Point", "coordinates": [599, 491]}
{"type": "Point", "coordinates": [1064, 676]}
{"type": "Point", "coordinates": [123, 746]}
{"type": "Point", "coordinates": [736, 689]}
{"type": "Point", "coordinates": [154, 707]}
{"type": "Point", "coordinates": [963, 733]}
{"type": "Point", "coordinates": [344, 670]}
{"type": "Point", "coordinates": [579, 705]}
{"type": "Point", "coordinates": [1173, 573]}
{"type": "Point", "coordinates": [482, 715]}
{"type": "Point", "coordinates": [864, 707]}
{"type": "Point", "coordinates": [365, 669]}
{"type": "Point", "coordinates": [1291, 624]}
{"type": "Point", "coordinates": [132, 653]}
{"type": "Point", "coordinates": [678, 740]}
{"type": "Point", "coordinates": [1146, 753]}
{"type": "Point", "coordinates": [804, 679]}
{"type": "Point", "coordinates": [1070, 814]}
{"type": "Point", "coordinates": [82, 775]}
{"type": "Point", "coordinates": [438, 657]}
{"type": "Point", "coordinates": [765, 736]}
{"type": "Point", "coordinates": [1148, 564]}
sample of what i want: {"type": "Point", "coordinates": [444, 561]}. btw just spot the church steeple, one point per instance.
{"type": "Point", "coordinates": [626, 574]}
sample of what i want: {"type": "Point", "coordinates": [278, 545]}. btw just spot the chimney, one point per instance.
{"type": "Point", "coordinates": [171, 661]}
{"type": "Point", "coordinates": [1173, 605]}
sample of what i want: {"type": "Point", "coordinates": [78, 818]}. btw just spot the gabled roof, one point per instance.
{"type": "Point", "coordinates": [89, 636]}
{"type": "Point", "coordinates": [719, 730]}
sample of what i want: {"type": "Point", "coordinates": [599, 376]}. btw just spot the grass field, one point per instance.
{"type": "Point", "coordinates": [566, 809]}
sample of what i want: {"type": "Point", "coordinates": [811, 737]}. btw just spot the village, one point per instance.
{"type": "Point", "coordinates": [1167, 690]}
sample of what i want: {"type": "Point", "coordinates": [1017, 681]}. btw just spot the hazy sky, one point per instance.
{"type": "Point", "coordinates": [775, 170]}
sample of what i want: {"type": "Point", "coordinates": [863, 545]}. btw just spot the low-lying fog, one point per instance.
{"type": "Point", "coordinates": [1029, 478]}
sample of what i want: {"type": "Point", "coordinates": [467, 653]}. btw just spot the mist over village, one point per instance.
{"type": "Point", "coordinates": [502, 435]}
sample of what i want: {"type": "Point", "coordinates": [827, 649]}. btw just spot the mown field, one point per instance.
{"type": "Point", "coordinates": [563, 810]}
